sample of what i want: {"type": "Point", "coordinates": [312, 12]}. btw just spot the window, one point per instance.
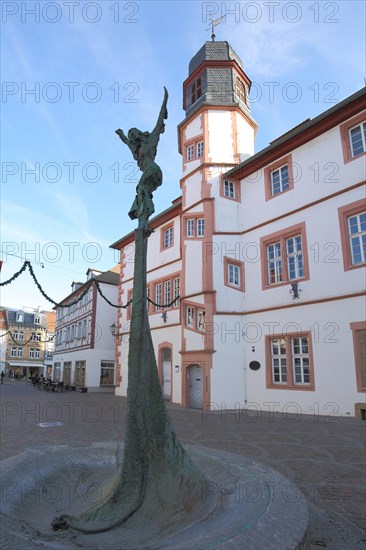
{"type": "Point", "coordinates": [240, 91]}
{"type": "Point", "coordinates": [201, 319]}
{"type": "Point", "coordinates": [195, 227]}
{"type": "Point", "coordinates": [167, 292]}
{"type": "Point", "coordinates": [36, 337]}
{"type": "Point", "coordinates": [289, 362]}
{"type": "Point", "coordinates": [278, 177]}
{"type": "Point", "coordinates": [196, 90]}
{"type": "Point", "coordinates": [167, 237]}
{"type": "Point", "coordinates": [190, 152]}
{"type": "Point", "coordinates": [190, 316]}
{"type": "Point", "coordinates": [18, 335]}
{"type": "Point", "coordinates": [357, 237]}
{"type": "Point", "coordinates": [279, 180]}
{"type": "Point", "coordinates": [84, 329]}
{"type": "Point", "coordinates": [295, 264]}
{"type": "Point", "coordinates": [13, 352]}
{"type": "Point", "coordinates": [37, 320]}
{"type": "Point", "coordinates": [352, 221]}
{"type": "Point", "coordinates": [359, 348]}
{"type": "Point", "coordinates": [358, 139]}
{"type": "Point", "coordinates": [19, 352]}
{"type": "Point", "coordinates": [164, 292]}
{"type": "Point", "coordinates": [200, 227]}
{"type": "Point", "coordinates": [195, 318]}
{"type": "Point", "coordinates": [20, 318]}
{"type": "Point", "coordinates": [229, 189]}
{"type": "Point", "coordinates": [199, 149]}
{"type": "Point", "coordinates": [195, 149]}
{"type": "Point", "coordinates": [106, 373]}
{"type": "Point", "coordinates": [157, 296]}
{"type": "Point", "coordinates": [284, 256]}
{"type": "Point", "coordinates": [34, 353]}
{"type": "Point", "coordinates": [176, 289]}
{"type": "Point", "coordinates": [189, 228]}
{"type": "Point", "coordinates": [353, 137]}
{"type": "Point", "coordinates": [234, 273]}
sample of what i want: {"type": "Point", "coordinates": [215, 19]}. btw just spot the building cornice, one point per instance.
{"type": "Point", "coordinates": [301, 134]}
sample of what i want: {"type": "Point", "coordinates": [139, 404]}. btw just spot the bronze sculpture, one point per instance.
{"type": "Point", "coordinates": [143, 146]}
{"type": "Point", "coordinates": [159, 486]}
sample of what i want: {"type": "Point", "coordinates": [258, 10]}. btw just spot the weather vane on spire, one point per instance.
{"type": "Point", "coordinates": [213, 24]}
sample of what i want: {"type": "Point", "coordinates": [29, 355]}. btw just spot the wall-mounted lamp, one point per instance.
{"type": "Point", "coordinates": [295, 291]}
{"type": "Point", "coordinates": [176, 368]}
{"type": "Point", "coordinates": [164, 316]}
{"type": "Point", "coordinates": [114, 331]}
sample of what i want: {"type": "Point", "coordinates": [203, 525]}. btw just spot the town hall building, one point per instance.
{"type": "Point", "coordinates": [263, 257]}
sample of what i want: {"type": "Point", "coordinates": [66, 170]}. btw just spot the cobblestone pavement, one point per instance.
{"type": "Point", "coordinates": [324, 456]}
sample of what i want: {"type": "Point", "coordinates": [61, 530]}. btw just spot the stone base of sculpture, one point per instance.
{"type": "Point", "coordinates": [243, 504]}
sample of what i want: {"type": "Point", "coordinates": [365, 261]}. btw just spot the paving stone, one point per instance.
{"type": "Point", "coordinates": [326, 460]}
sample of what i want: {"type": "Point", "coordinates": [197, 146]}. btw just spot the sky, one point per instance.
{"type": "Point", "coordinates": [75, 71]}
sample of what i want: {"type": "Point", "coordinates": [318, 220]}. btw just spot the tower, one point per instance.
{"type": "Point", "coordinates": [217, 133]}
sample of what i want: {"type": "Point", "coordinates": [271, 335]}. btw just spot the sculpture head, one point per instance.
{"type": "Point", "coordinates": [136, 136]}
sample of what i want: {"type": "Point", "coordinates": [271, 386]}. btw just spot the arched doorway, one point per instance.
{"type": "Point", "coordinates": [166, 372]}
{"type": "Point", "coordinates": [195, 386]}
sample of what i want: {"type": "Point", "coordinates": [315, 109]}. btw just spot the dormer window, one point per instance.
{"type": "Point", "coordinates": [20, 318]}
{"type": "Point", "coordinates": [37, 320]}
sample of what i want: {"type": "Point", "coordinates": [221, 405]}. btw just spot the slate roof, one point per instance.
{"type": "Point", "coordinates": [214, 51]}
{"type": "Point", "coordinates": [108, 277]}
{"type": "Point", "coordinates": [28, 318]}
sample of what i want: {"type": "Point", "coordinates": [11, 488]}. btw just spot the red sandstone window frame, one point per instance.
{"type": "Point", "coordinates": [356, 328]}
{"type": "Point", "coordinates": [281, 236]}
{"type": "Point", "coordinates": [195, 216]}
{"type": "Point", "coordinates": [230, 261]}
{"type": "Point", "coordinates": [196, 307]}
{"type": "Point", "coordinates": [193, 143]}
{"type": "Point", "coordinates": [161, 281]}
{"type": "Point", "coordinates": [287, 160]}
{"type": "Point", "coordinates": [345, 212]}
{"type": "Point", "coordinates": [236, 187]}
{"type": "Point", "coordinates": [289, 384]}
{"type": "Point", "coordinates": [163, 230]}
{"type": "Point", "coordinates": [345, 136]}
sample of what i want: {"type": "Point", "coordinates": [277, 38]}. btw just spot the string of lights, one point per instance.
{"type": "Point", "coordinates": [108, 301]}
{"type": "Point", "coordinates": [164, 305]}
{"type": "Point", "coordinates": [17, 342]}
{"type": "Point", "coordinates": [27, 264]}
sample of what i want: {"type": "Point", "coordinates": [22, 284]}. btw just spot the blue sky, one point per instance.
{"type": "Point", "coordinates": [99, 66]}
